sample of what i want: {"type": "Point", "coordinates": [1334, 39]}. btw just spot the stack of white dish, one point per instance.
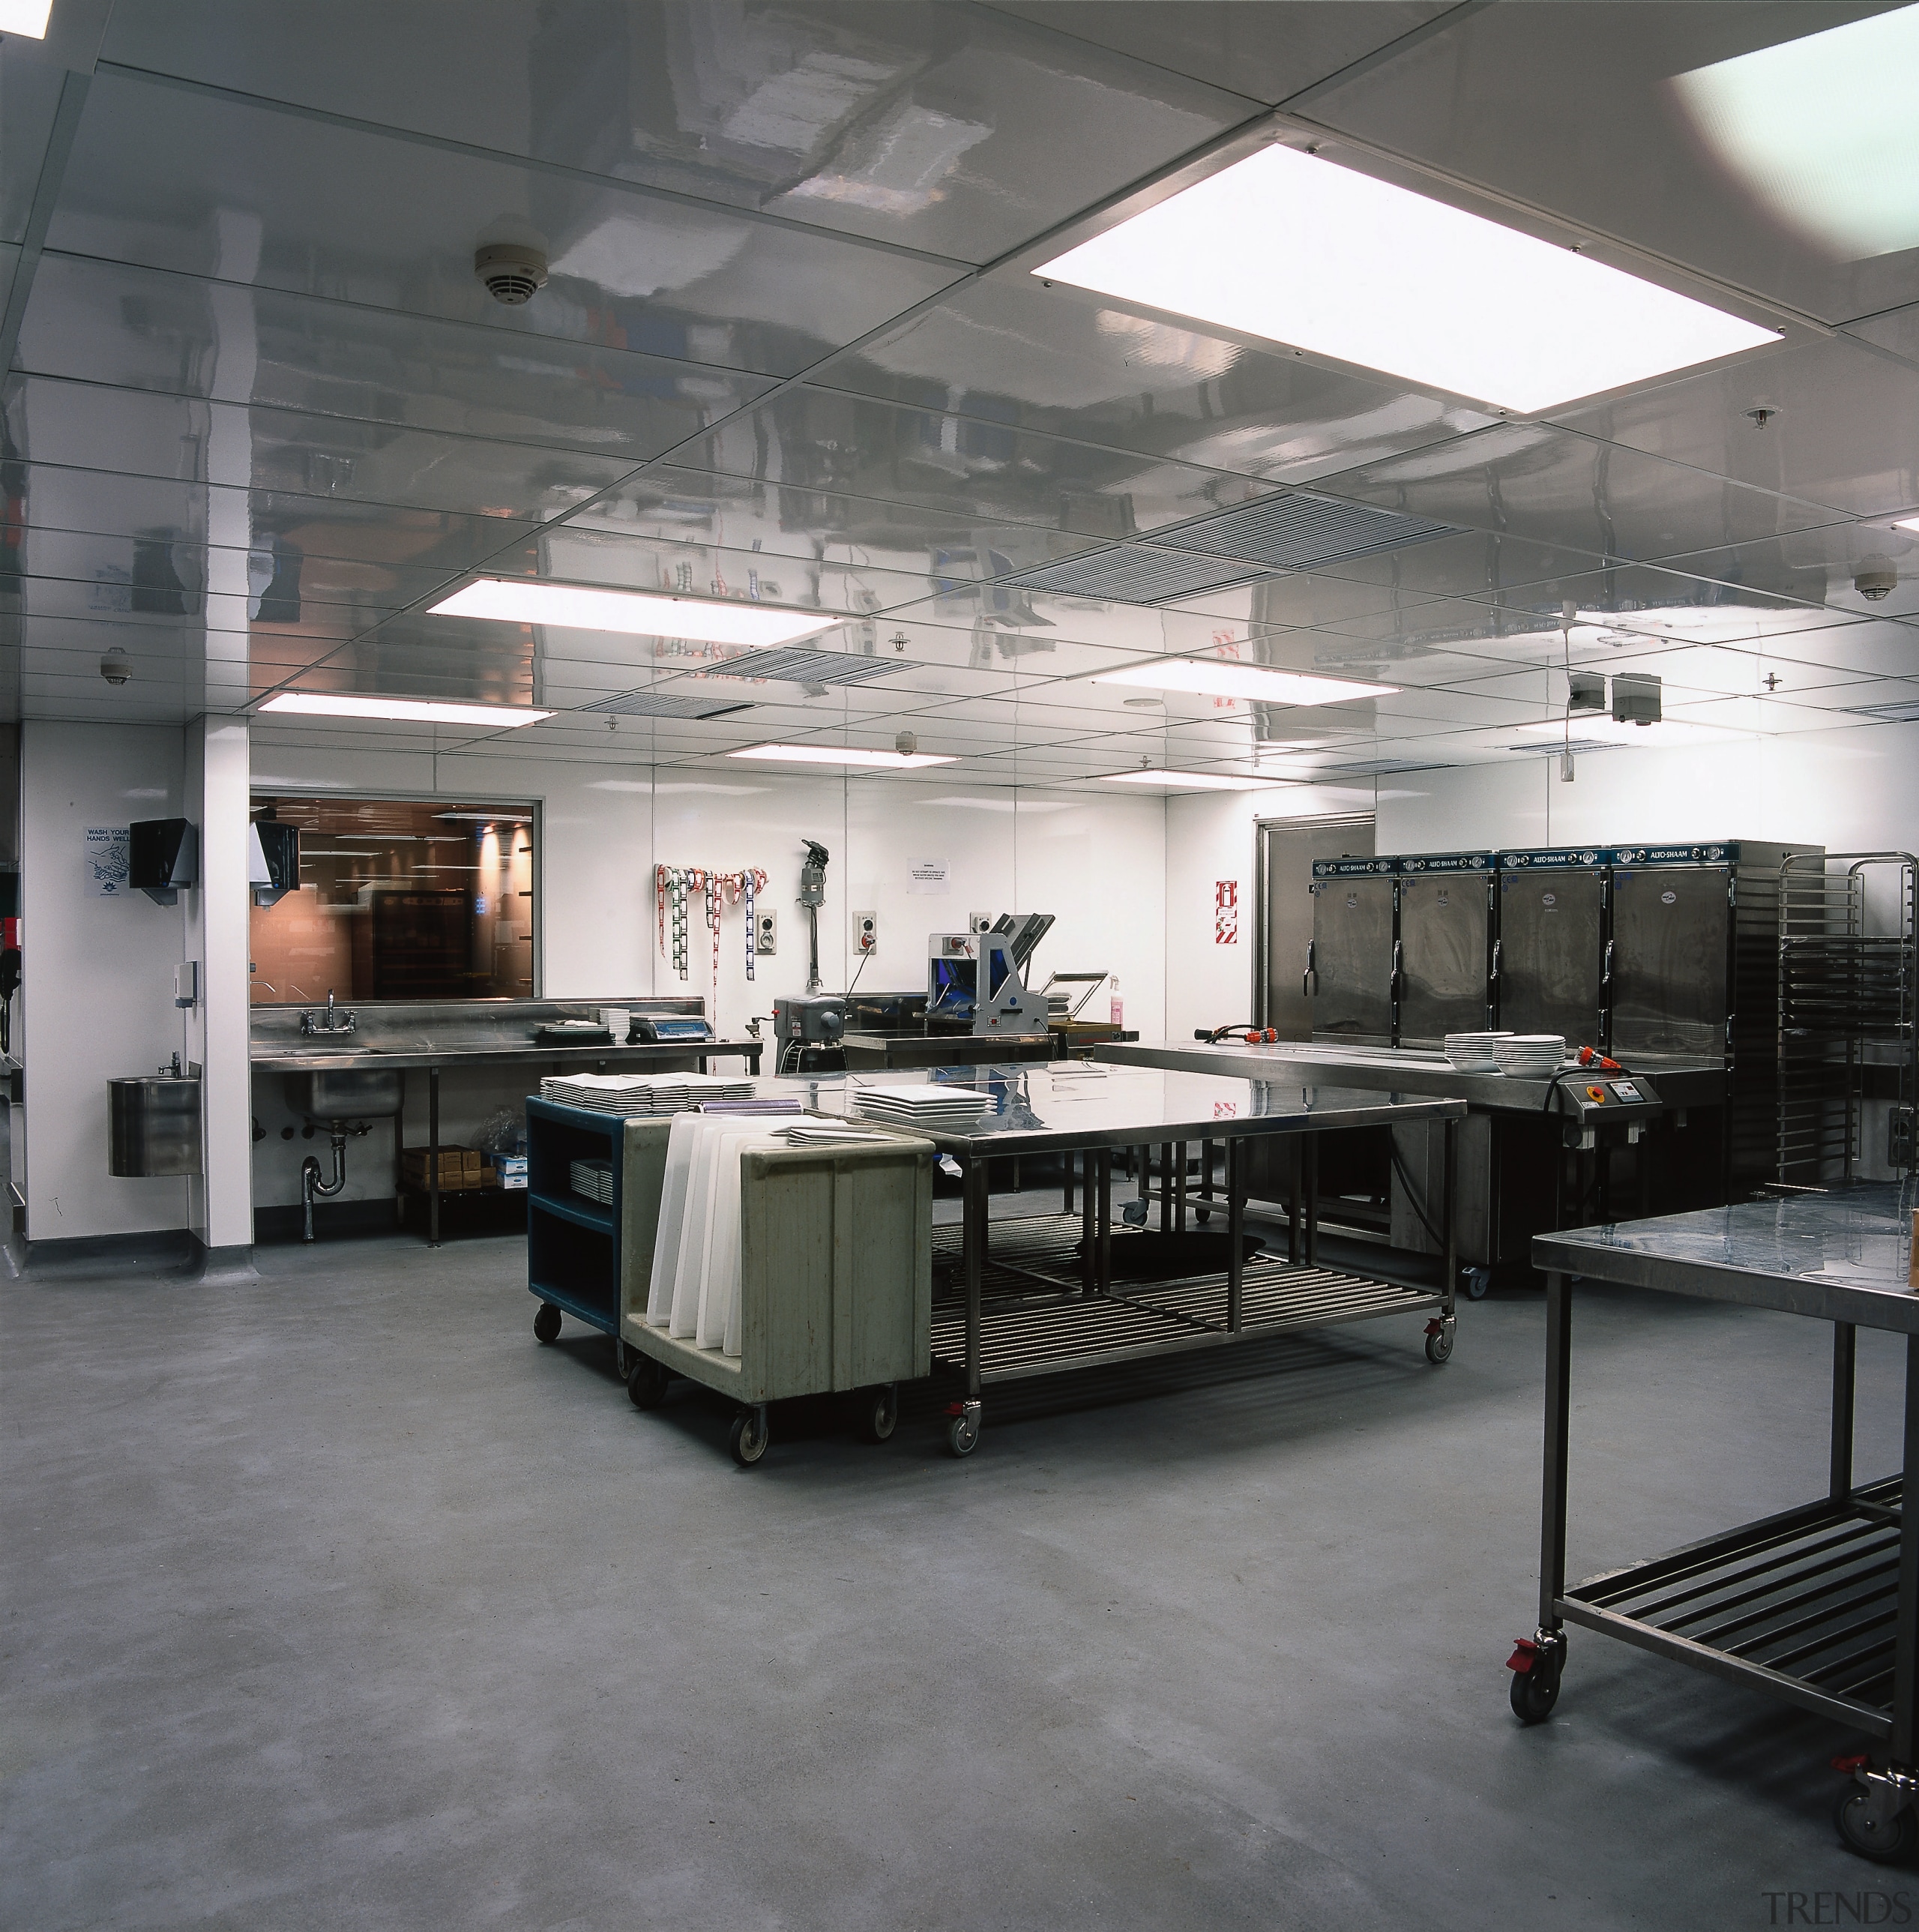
{"type": "Point", "coordinates": [628, 1094]}
{"type": "Point", "coordinates": [592, 1178]}
{"type": "Point", "coordinates": [1530, 1056]}
{"type": "Point", "coordinates": [1473, 1052]}
{"type": "Point", "coordinates": [932, 1106]}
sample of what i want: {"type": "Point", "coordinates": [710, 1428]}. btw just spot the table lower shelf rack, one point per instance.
{"type": "Point", "coordinates": [1035, 1318]}
{"type": "Point", "coordinates": [1803, 1605]}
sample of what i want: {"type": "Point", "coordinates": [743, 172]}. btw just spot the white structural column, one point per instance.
{"type": "Point", "coordinates": [218, 780]}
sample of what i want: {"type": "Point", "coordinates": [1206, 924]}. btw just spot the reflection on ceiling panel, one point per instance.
{"type": "Point", "coordinates": [798, 665]}
{"type": "Point", "coordinates": [1295, 532]}
{"type": "Point", "coordinates": [664, 704]}
{"type": "Point", "coordinates": [1132, 574]}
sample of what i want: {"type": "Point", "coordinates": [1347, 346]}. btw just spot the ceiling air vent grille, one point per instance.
{"type": "Point", "coordinates": [1290, 531]}
{"type": "Point", "coordinates": [662, 704]}
{"type": "Point", "coordinates": [794, 663]}
{"type": "Point", "coordinates": [1551, 747]}
{"type": "Point", "coordinates": [1374, 768]}
{"type": "Point", "coordinates": [1905, 711]}
{"type": "Point", "coordinates": [1134, 574]}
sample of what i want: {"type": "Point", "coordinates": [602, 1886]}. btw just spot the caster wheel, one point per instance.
{"type": "Point", "coordinates": [1883, 1843]}
{"type": "Point", "coordinates": [1534, 1692]}
{"type": "Point", "coordinates": [963, 1434]}
{"type": "Point", "coordinates": [878, 1413]}
{"type": "Point", "coordinates": [647, 1385]}
{"type": "Point", "coordinates": [750, 1436]}
{"type": "Point", "coordinates": [1439, 1343]}
{"type": "Point", "coordinates": [1476, 1281]}
{"type": "Point", "coordinates": [546, 1323]}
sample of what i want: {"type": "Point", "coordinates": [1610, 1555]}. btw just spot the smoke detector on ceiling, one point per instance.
{"type": "Point", "coordinates": [116, 667]}
{"type": "Point", "coordinates": [1876, 579]}
{"type": "Point", "coordinates": [512, 271]}
{"type": "Point", "coordinates": [906, 744]}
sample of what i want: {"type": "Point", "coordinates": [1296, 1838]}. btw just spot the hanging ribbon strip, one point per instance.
{"type": "Point", "coordinates": [673, 887]}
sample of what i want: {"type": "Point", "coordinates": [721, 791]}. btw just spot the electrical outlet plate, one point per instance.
{"type": "Point", "coordinates": [766, 935]}
{"type": "Point", "coordinates": [865, 933]}
{"type": "Point", "coordinates": [979, 922]}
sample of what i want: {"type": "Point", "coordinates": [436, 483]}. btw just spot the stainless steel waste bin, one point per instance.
{"type": "Point", "coordinates": [153, 1126]}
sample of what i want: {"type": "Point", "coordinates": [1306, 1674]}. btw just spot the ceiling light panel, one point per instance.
{"type": "Point", "coordinates": [26, 18]}
{"type": "Point", "coordinates": [319, 704]}
{"type": "Point", "coordinates": [580, 607]}
{"type": "Point", "coordinates": [1169, 781]}
{"type": "Point", "coordinates": [1292, 248]}
{"type": "Point", "coordinates": [841, 755]}
{"type": "Point", "coordinates": [1220, 677]}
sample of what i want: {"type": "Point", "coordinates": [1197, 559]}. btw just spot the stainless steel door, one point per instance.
{"type": "Point", "coordinates": [1443, 948]}
{"type": "Point", "coordinates": [1352, 944]}
{"type": "Point", "coordinates": [1284, 913]}
{"type": "Point", "coordinates": [1671, 951]}
{"type": "Point", "coordinates": [1551, 958]}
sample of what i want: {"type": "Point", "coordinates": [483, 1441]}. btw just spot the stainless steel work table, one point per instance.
{"type": "Point", "coordinates": [1681, 1082]}
{"type": "Point", "coordinates": [1819, 1605]}
{"type": "Point", "coordinates": [1042, 1298]}
{"type": "Point", "coordinates": [433, 1057]}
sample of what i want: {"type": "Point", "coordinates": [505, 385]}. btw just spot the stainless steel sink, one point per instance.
{"type": "Point", "coordinates": [344, 1093]}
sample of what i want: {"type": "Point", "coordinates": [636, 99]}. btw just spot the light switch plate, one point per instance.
{"type": "Point", "coordinates": [765, 937]}
{"type": "Point", "coordinates": [979, 922]}
{"type": "Point", "coordinates": [865, 934]}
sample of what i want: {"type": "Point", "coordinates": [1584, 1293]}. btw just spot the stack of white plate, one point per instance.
{"type": "Point", "coordinates": [628, 1094]}
{"type": "Point", "coordinates": [1472, 1052]}
{"type": "Point", "coordinates": [1530, 1056]}
{"type": "Point", "coordinates": [952, 1107]}
{"type": "Point", "coordinates": [592, 1178]}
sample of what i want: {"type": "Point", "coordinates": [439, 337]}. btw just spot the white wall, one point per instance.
{"type": "Point", "coordinates": [1098, 864]}
{"type": "Point", "coordinates": [1851, 790]}
{"type": "Point", "coordinates": [97, 993]}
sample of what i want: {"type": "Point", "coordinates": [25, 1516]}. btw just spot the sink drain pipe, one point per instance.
{"type": "Point", "coordinates": [312, 1188]}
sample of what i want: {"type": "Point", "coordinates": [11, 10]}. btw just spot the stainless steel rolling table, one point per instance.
{"type": "Point", "coordinates": [1819, 1605]}
{"type": "Point", "coordinates": [1044, 1299]}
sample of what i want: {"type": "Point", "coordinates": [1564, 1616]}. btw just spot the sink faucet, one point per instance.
{"type": "Point", "coordinates": [333, 1023]}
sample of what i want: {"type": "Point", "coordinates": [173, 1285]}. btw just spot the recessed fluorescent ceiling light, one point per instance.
{"type": "Point", "coordinates": [490, 817]}
{"type": "Point", "coordinates": [1213, 677]}
{"type": "Point", "coordinates": [577, 607]}
{"type": "Point", "coordinates": [1820, 129]}
{"type": "Point", "coordinates": [841, 755]}
{"type": "Point", "coordinates": [313, 704]}
{"type": "Point", "coordinates": [1188, 780]}
{"type": "Point", "coordinates": [1294, 249]}
{"type": "Point", "coordinates": [27, 18]}
{"type": "Point", "coordinates": [1907, 524]}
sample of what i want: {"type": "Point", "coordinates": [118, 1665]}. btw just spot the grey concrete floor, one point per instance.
{"type": "Point", "coordinates": [337, 1601]}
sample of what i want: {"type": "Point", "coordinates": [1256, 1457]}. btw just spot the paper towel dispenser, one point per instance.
{"type": "Point", "coordinates": [162, 854]}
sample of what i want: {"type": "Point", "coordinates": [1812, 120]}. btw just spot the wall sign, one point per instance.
{"type": "Point", "coordinates": [928, 878]}
{"type": "Point", "coordinates": [106, 861]}
{"type": "Point", "coordinates": [1226, 912]}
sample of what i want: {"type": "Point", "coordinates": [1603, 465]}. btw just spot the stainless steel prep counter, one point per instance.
{"type": "Point", "coordinates": [434, 1037]}
{"type": "Point", "coordinates": [1043, 1298]}
{"type": "Point", "coordinates": [1819, 1605]}
{"type": "Point", "coordinates": [1516, 1179]}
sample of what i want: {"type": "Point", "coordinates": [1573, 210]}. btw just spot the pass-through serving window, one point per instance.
{"type": "Point", "coordinates": [400, 899]}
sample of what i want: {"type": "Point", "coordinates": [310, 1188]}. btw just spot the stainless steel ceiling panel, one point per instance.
{"type": "Point", "coordinates": [120, 504]}
{"type": "Point", "coordinates": [932, 127]}
{"type": "Point", "coordinates": [1896, 332]}
{"type": "Point", "coordinates": [1818, 566]}
{"type": "Point", "coordinates": [173, 179]}
{"type": "Point", "coordinates": [1052, 361]}
{"type": "Point", "coordinates": [1268, 51]}
{"type": "Point", "coordinates": [30, 85]}
{"type": "Point", "coordinates": [1478, 563]}
{"type": "Point", "coordinates": [809, 439]}
{"type": "Point", "coordinates": [142, 329]}
{"type": "Point", "coordinates": [183, 603]}
{"type": "Point", "coordinates": [1533, 481]}
{"type": "Point", "coordinates": [113, 566]}
{"type": "Point", "coordinates": [1561, 106]}
{"type": "Point", "coordinates": [1844, 428]}
{"type": "Point", "coordinates": [82, 426]}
